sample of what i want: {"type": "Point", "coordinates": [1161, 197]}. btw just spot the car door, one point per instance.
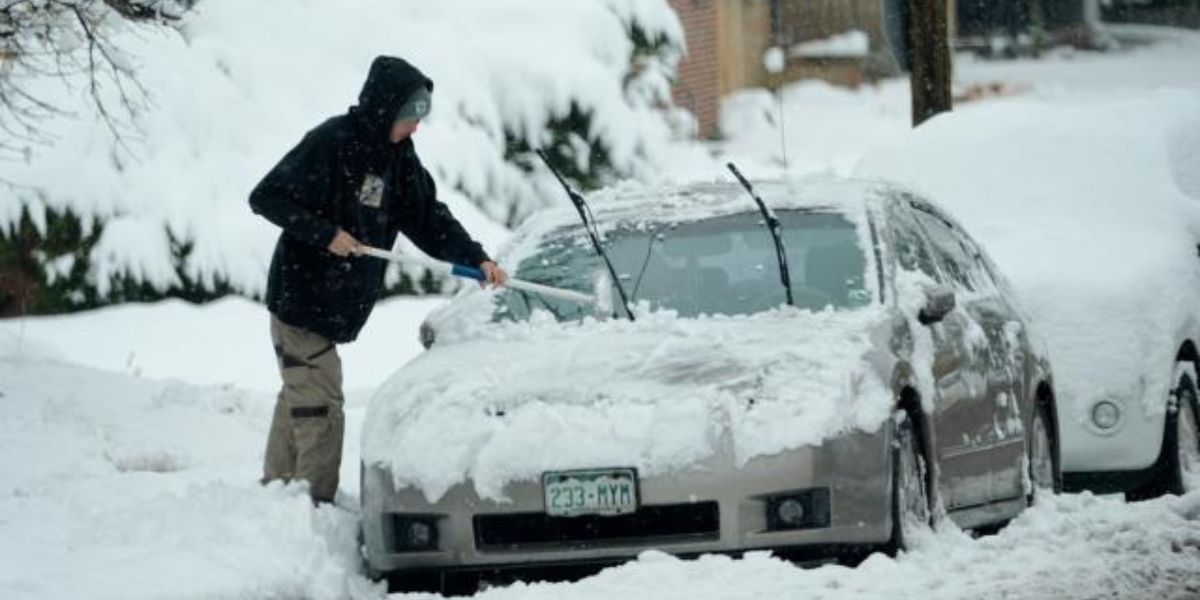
{"type": "Point", "coordinates": [989, 442]}
{"type": "Point", "coordinates": [1011, 354]}
{"type": "Point", "coordinates": [963, 480]}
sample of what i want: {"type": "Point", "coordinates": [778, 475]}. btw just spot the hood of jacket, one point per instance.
{"type": "Point", "coordinates": [389, 83]}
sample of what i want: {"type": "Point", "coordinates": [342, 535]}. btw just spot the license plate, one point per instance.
{"type": "Point", "coordinates": [591, 492]}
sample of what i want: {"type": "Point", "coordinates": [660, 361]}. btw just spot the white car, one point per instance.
{"type": "Point", "coordinates": [1093, 211]}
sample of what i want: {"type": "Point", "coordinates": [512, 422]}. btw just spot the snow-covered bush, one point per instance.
{"type": "Point", "coordinates": [234, 85]}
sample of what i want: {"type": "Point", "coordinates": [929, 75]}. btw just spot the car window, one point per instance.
{"type": "Point", "coordinates": [720, 265]}
{"type": "Point", "coordinates": [908, 242]}
{"type": "Point", "coordinates": [958, 258]}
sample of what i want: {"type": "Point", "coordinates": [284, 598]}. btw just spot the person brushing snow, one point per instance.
{"type": "Point", "coordinates": [353, 181]}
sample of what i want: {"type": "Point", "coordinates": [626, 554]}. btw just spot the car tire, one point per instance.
{"type": "Point", "coordinates": [1185, 472]}
{"type": "Point", "coordinates": [1179, 465]}
{"type": "Point", "coordinates": [1042, 465]}
{"type": "Point", "coordinates": [910, 484]}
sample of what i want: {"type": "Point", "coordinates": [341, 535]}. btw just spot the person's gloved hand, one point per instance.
{"type": "Point", "coordinates": [496, 276]}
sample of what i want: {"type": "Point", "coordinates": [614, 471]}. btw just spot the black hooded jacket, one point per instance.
{"type": "Point", "coordinates": [346, 173]}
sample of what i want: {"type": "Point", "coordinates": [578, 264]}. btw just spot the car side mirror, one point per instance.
{"type": "Point", "coordinates": [939, 301]}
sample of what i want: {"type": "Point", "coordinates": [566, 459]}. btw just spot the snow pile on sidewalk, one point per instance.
{"type": "Point", "coordinates": [225, 342]}
{"type": "Point", "coordinates": [243, 81]}
{"type": "Point", "coordinates": [124, 488]}
{"type": "Point", "coordinates": [1085, 205]}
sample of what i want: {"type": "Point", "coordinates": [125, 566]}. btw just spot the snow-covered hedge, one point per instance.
{"type": "Point", "coordinates": [240, 82]}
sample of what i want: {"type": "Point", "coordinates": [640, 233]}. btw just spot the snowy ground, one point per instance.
{"type": "Point", "coordinates": [120, 486]}
{"type": "Point", "coordinates": [132, 436]}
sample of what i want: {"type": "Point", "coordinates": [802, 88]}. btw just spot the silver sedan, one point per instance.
{"type": "Point", "coordinates": [964, 419]}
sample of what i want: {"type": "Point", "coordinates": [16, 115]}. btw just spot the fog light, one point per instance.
{"type": "Point", "coordinates": [420, 534]}
{"type": "Point", "coordinates": [790, 512]}
{"type": "Point", "coordinates": [1106, 415]}
{"type": "Point", "coordinates": [805, 509]}
{"type": "Point", "coordinates": [414, 534]}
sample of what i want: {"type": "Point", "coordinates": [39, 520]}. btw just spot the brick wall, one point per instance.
{"type": "Point", "coordinates": [698, 86]}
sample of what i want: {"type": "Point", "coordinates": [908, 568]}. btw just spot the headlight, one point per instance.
{"type": "Point", "coordinates": [1106, 415]}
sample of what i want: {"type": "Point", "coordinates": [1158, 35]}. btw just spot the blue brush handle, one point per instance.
{"type": "Point", "coordinates": [468, 272]}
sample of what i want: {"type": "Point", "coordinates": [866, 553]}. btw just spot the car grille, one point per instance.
{"type": "Point", "coordinates": [684, 522]}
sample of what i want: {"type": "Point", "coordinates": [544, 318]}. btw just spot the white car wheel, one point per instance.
{"type": "Point", "coordinates": [1187, 438]}
{"type": "Point", "coordinates": [1179, 464]}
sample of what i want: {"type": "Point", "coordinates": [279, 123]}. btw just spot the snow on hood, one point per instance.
{"type": "Point", "coordinates": [661, 394]}
{"type": "Point", "coordinates": [1085, 206]}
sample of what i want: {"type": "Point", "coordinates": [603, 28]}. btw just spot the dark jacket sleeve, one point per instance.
{"type": "Point", "coordinates": [429, 224]}
{"type": "Point", "coordinates": [289, 193]}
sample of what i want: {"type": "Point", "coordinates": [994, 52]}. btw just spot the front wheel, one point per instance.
{"type": "Point", "coordinates": [910, 489]}
{"type": "Point", "coordinates": [1186, 476]}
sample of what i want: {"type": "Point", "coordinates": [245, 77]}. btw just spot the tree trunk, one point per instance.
{"type": "Point", "coordinates": [929, 59]}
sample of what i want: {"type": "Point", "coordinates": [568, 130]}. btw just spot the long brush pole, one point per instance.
{"type": "Point", "coordinates": [464, 272]}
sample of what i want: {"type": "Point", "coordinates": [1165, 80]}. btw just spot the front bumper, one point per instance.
{"type": "Point", "coordinates": [715, 508]}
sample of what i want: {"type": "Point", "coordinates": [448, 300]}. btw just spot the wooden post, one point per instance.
{"type": "Point", "coordinates": [929, 58]}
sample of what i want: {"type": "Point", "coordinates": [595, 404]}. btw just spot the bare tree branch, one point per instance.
{"type": "Point", "coordinates": [73, 41]}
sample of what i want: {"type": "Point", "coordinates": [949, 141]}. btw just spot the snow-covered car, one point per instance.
{"type": "Point", "coordinates": [713, 417]}
{"type": "Point", "coordinates": [1093, 209]}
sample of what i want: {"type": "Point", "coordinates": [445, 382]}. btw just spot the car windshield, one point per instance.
{"type": "Point", "coordinates": [722, 265]}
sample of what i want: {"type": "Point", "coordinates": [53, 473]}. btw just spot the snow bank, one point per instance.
{"type": "Point", "coordinates": [125, 488]}
{"type": "Point", "coordinates": [225, 342]}
{"type": "Point", "coordinates": [1083, 205]}
{"type": "Point", "coordinates": [242, 82]}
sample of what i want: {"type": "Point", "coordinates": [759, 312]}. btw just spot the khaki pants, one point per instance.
{"type": "Point", "coordinates": [305, 441]}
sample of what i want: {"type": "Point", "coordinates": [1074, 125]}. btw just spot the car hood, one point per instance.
{"type": "Point", "coordinates": [660, 394]}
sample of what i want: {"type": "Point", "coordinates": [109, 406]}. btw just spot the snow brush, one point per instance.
{"type": "Point", "coordinates": [601, 300]}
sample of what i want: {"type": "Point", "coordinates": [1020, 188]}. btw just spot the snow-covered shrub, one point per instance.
{"type": "Point", "coordinates": [233, 85]}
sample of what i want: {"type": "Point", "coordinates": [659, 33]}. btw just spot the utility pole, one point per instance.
{"type": "Point", "coordinates": [929, 58]}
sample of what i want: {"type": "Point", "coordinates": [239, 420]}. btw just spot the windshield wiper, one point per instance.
{"type": "Point", "coordinates": [776, 233]}
{"type": "Point", "coordinates": [589, 224]}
